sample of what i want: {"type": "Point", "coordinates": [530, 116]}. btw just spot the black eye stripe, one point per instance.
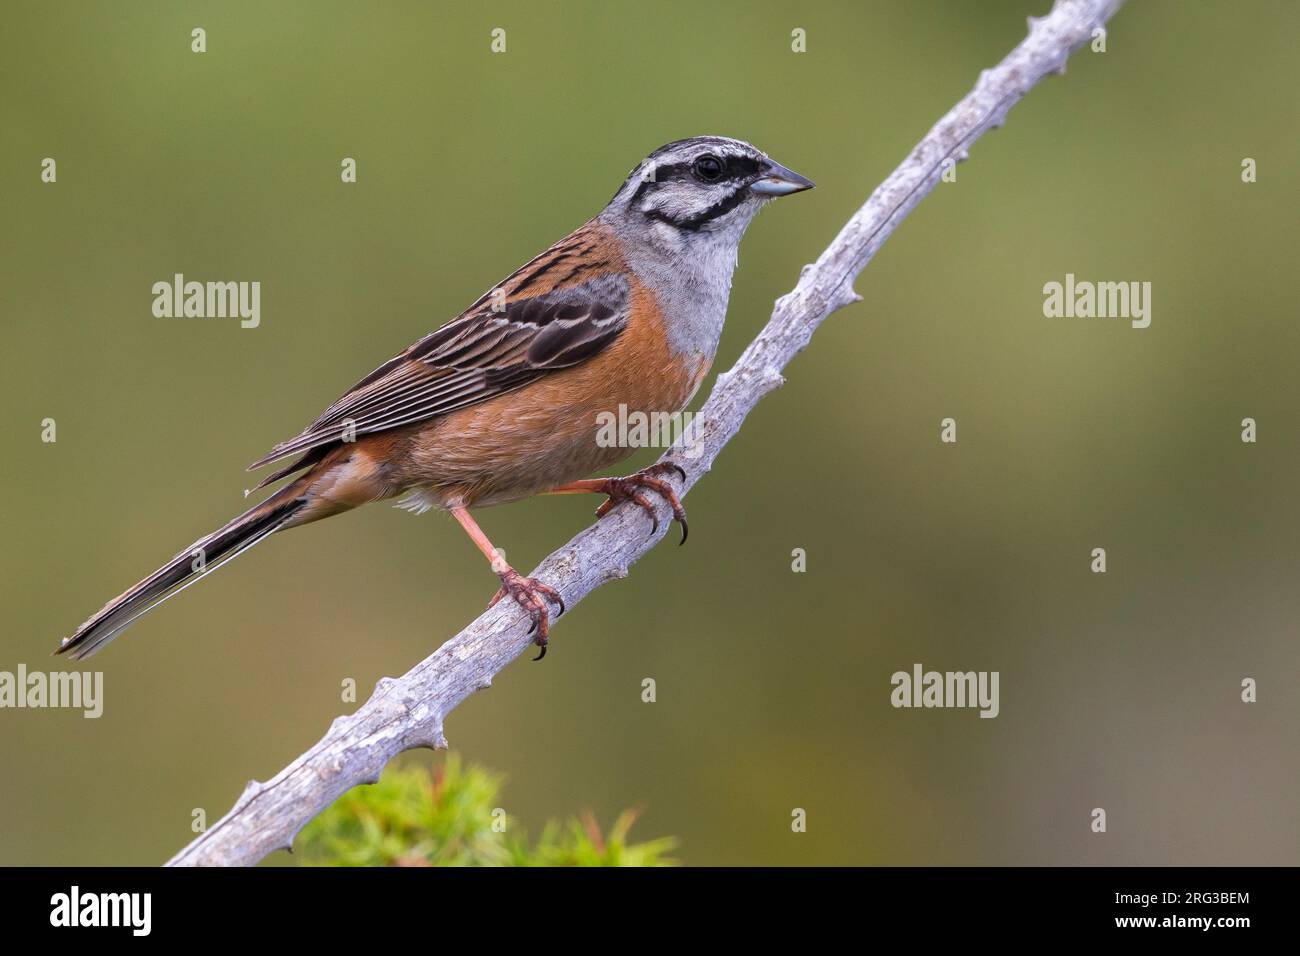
{"type": "Point", "coordinates": [738, 168]}
{"type": "Point", "coordinates": [672, 172]}
{"type": "Point", "coordinates": [741, 167]}
{"type": "Point", "coordinates": [734, 167]}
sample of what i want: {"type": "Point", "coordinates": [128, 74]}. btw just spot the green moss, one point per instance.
{"type": "Point", "coordinates": [451, 817]}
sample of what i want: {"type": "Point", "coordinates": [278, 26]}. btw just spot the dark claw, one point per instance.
{"type": "Point", "coordinates": [541, 653]}
{"type": "Point", "coordinates": [532, 596]}
{"type": "Point", "coordinates": [621, 489]}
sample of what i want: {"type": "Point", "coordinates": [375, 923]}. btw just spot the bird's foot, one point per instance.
{"type": "Point", "coordinates": [629, 489]}
{"type": "Point", "coordinates": [531, 595]}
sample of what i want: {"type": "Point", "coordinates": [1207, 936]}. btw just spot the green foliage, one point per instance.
{"type": "Point", "coordinates": [450, 817]}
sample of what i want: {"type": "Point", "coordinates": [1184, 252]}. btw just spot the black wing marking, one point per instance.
{"type": "Point", "coordinates": [488, 351]}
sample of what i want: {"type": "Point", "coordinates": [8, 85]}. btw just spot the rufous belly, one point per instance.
{"type": "Point", "coordinates": [548, 432]}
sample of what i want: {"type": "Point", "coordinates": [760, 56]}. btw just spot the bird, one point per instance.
{"type": "Point", "coordinates": [500, 403]}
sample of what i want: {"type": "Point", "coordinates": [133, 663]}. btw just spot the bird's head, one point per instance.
{"type": "Point", "coordinates": [703, 185]}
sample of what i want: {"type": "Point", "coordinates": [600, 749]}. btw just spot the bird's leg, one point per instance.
{"type": "Point", "coordinates": [529, 593]}
{"type": "Point", "coordinates": [629, 489]}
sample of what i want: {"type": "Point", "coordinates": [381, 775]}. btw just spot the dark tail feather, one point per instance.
{"type": "Point", "coordinates": [307, 460]}
{"type": "Point", "coordinates": [198, 560]}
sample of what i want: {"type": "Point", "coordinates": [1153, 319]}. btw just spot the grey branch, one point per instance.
{"type": "Point", "coordinates": [409, 711]}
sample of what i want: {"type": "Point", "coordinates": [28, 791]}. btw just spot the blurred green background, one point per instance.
{"type": "Point", "coordinates": [1118, 690]}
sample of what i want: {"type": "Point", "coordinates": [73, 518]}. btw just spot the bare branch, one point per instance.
{"type": "Point", "coordinates": [409, 712]}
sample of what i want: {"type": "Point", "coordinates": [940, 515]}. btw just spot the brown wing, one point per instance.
{"type": "Point", "coordinates": [501, 343]}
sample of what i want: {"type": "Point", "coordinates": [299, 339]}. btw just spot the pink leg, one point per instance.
{"type": "Point", "coordinates": [528, 593]}
{"type": "Point", "coordinates": [629, 489]}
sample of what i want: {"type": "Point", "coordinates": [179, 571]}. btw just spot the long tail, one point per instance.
{"type": "Point", "coordinates": [197, 561]}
